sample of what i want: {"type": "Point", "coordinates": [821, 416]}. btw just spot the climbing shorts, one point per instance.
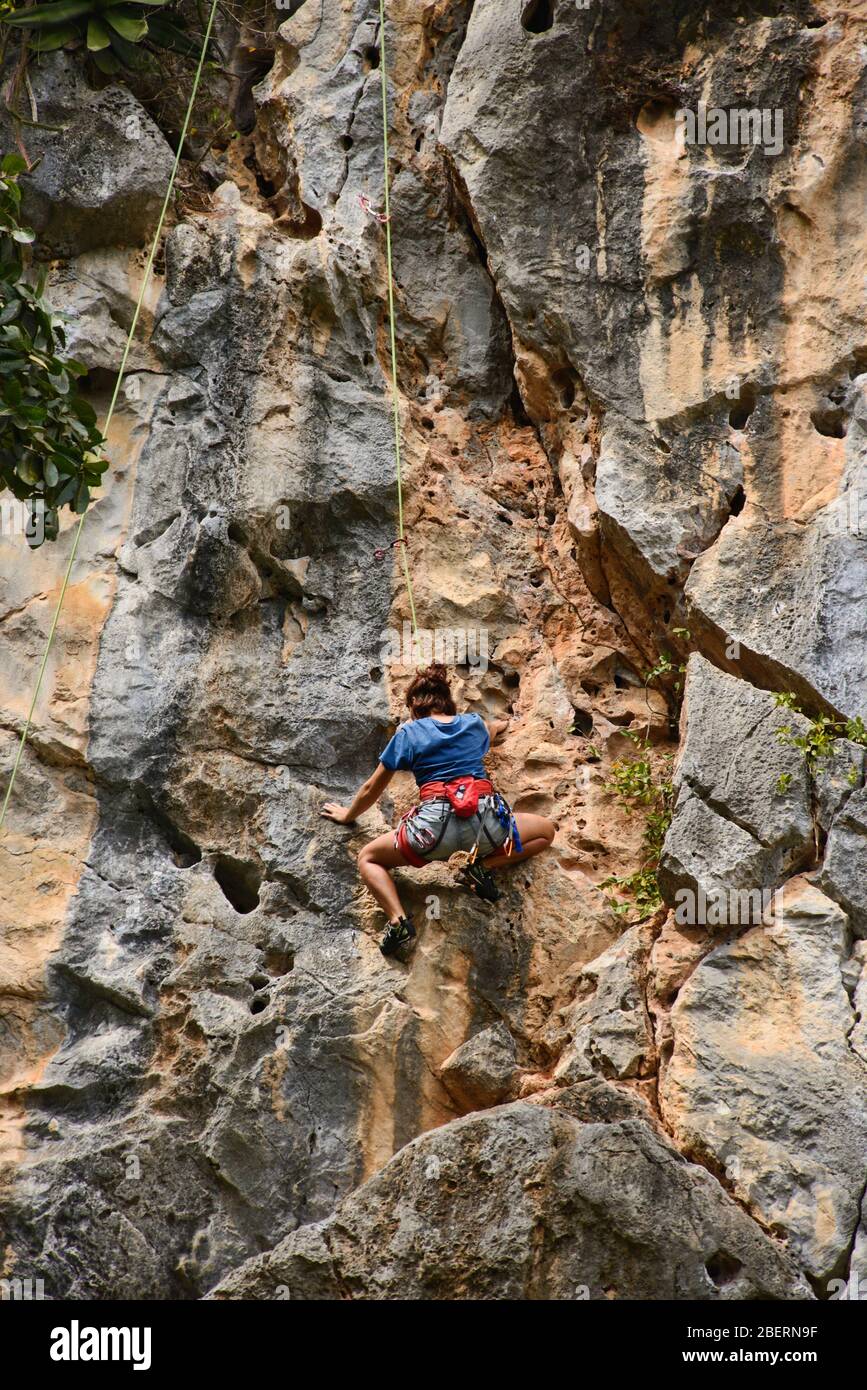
{"type": "Point", "coordinates": [433, 831]}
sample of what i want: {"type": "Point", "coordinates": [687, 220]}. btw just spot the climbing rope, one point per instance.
{"type": "Point", "coordinates": [114, 396]}
{"type": "Point", "coordinates": [385, 219]}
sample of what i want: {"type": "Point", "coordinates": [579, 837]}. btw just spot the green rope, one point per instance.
{"type": "Point", "coordinates": [395, 397]}
{"type": "Point", "coordinates": [117, 385]}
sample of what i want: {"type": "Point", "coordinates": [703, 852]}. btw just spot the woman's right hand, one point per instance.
{"type": "Point", "coordinates": [340, 814]}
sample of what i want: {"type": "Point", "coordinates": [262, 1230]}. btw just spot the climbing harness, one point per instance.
{"type": "Point", "coordinates": [506, 818]}
{"type": "Point", "coordinates": [114, 396]}
{"type": "Point", "coordinates": [465, 798]}
{"type": "Point", "coordinates": [385, 219]}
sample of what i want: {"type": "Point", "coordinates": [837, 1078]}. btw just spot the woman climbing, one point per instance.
{"type": "Point", "coordinates": [459, 809]}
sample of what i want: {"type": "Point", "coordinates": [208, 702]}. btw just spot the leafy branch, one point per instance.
{"type": "Point", "coordinates": [50, 446]}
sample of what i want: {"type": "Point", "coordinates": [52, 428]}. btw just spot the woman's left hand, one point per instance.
{"type": "Point", "coordinates": [331, 811]}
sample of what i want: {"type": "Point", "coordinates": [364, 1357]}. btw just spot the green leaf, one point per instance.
{"type": "Point", "coordinates": [129, 26]}
{"type": "Point", "coordinates": [49, 440]}
{"type": "Point", "coordinates": [66, 493]}
{"type": "Point", "coordinates": [23, 234]}
{"type": "Point", "coordinates": [42, 15]}
{"type": "Point", "coordinates": [107, 63]}
{"type": "Point", "coordinates": [27, 469]}
{"type": "Point", "coordinates": [55, 38]}
{"type": "Point", "coordinates": [13, 164]}
{"type": "Point", "coordinates": [167, 35]}
{"type": "Point", "coordinates": [128, 53]}
{"type": "Point", "coordinates": [97, 35]}
{"type": "Point", "coordinates": [84, 410]}
{"type": "Point", "coordinates": [60, 382]}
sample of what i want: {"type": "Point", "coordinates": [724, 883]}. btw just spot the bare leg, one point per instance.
{"type": "Point", "coordinates": [374, 862]}
{"type": "Point", "coordinates": [536, 834]}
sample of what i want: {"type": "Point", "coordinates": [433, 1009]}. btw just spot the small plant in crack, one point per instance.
{"type": "Point", "coordinates": [663, 667]}
{"type": "Point", "coordinates": [663, 670]}
{"type": "Point", "coordinates": [818, 742]}
{"type": "Point", "coordinates": [639, 787]}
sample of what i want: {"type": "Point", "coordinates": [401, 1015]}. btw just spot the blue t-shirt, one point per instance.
{"type": "Point", "coordinates": [438, 751]}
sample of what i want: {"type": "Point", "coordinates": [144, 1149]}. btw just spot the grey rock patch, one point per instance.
{"type": "Point", "coordinates": [609, 1030]}
{"type": "Point", "coordinates": [103, 174]}
{"type": "Point", "coordinates": [843, 875]}
{"type": "Point", "coordinates": [484, 1070]}
{"type": "Point", "coordinates": [453, 1216]}
{"type": "Point", "coordinates": [763, 1081]}
{"type": "Point", "coordinates": [734, 826]}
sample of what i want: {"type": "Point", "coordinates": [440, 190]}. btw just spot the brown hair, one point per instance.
{"type": "Point", "coordinates": [430, 693]}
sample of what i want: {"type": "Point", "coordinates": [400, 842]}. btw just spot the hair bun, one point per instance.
{"type": "Point", "coordinates": [436, 673]}
{"type": "Point", "coordinates": [429, 692]}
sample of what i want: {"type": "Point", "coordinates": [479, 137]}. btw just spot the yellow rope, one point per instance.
{"type": "Point", "coordinates": [117, 385]}
{"type": "Point", "coordinates": [395, 397]}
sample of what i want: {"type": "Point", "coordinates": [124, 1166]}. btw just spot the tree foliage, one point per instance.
{"type": "Point", "coordinates": [112, 32]}
{"type": "Point", "coordinates": [50, 447]}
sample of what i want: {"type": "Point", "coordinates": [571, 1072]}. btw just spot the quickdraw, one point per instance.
{"type": "Point", "coordinates": [505, 816]}
{"type": "Point", "coordinates": [367, 206]}
{"type": "Point", "coordinates": [381, 551]}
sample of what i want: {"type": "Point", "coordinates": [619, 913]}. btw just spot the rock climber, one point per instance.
{"type": "Point", "coordinates": [459, 807]}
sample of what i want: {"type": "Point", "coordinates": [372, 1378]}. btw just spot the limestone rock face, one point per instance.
{"type": "Point", "coordinates": [762, 1080]}
{"type": "Point", "coordinates": [609, 1030]}
{"type": "Point", "coordinates": [483, 1070]}
{"type": "Point", "coordinates": [455, 1216]}
{"type": "Point", "coordinates": [103, 163]}
{"type": "Point", "coordinates": [631, 380]}
{"type": "Point", "coordinates": [844, 872]}
{"type": "Point", "coordinates": [736, 825]}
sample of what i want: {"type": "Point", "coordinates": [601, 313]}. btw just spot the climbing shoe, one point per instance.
{"type": "Point", "coordinates": [480, 881]}
{"type": "Point", "coordinates": [398, 939]}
